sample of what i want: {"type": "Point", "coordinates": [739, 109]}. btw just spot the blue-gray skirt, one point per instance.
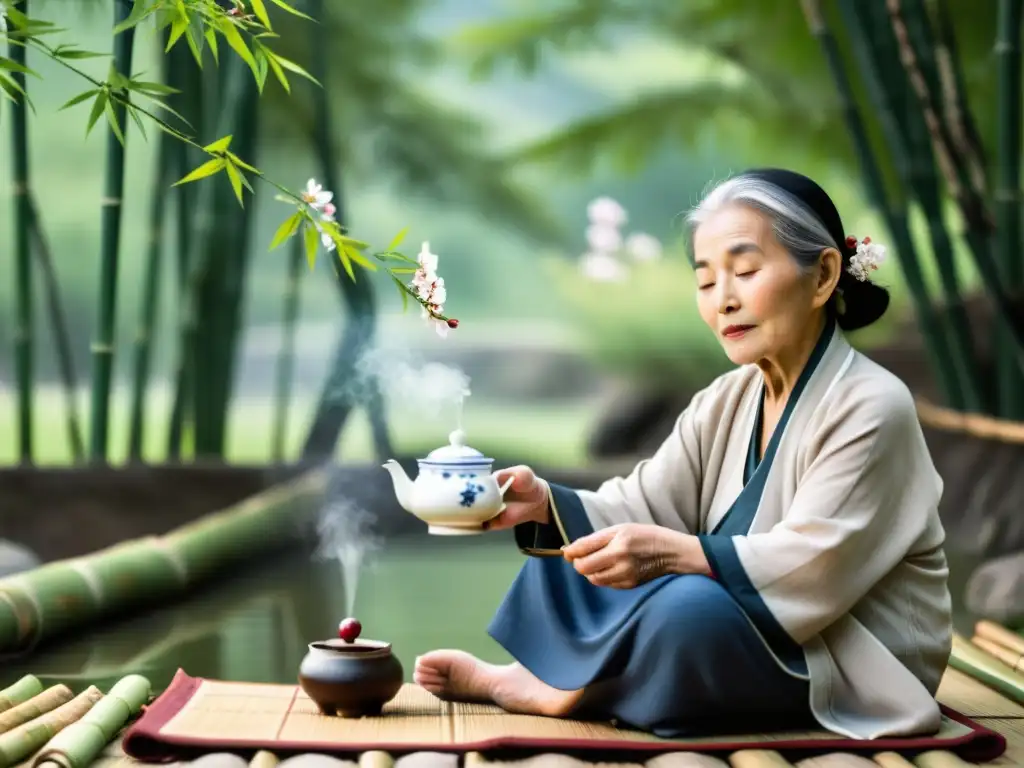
{"type": "Point", "coordinates": [676, 656]}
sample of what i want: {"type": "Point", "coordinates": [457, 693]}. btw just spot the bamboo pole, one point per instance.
{"type": "Point", "coordinates": [56, 597]}
{"type": "Point", "coordinates": [110, 243]}
{"type": "Point", "coordinates": [21, 690]}
{"type": "Point", "coordinates": [332, 410]}
{"type": "Point", "coordinates": [972, 660]}
{"type": "Point", "coordinates": [81, 742]}
{"type": "Point", "coordinates": [909, 137]}
{"type": "Point", "coordinates": [37, 706]}
{"type": "Point", "coordinates": [236, 261]}
{"type": "Point", "coordinates": [59, 323]}
{"type": "Point", "coordinates": [1007, 197]}
{"type": "Point", "coordinates": [286, 355]}
{"type": "Point", "coordinates": [151, 284]}
{"type": "Point", "coordinates": [23, 741]}
{"type": "Point", "coordinates": [894, 213]}
{"type": "Point", "coordinates": [24, 337]}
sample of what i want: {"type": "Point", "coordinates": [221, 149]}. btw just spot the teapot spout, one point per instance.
{"type": "Point", "coordinates": [403, 485]}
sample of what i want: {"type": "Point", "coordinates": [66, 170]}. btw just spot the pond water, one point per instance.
{"type": "Point", "coordinates": [417, 592]}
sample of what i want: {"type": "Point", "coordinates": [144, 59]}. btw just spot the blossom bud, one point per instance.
{"type": "Point", "coordinates": [453, 323]}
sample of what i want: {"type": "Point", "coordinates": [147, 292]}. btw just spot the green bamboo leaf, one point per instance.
{"type": "Point", "coordinates": [11, 89]}
{"type": "Point", "coordinates": [220, 145]}
{"type": "Point", "coordinates": [346, 263]}
{"type": "Point", "coordinates": [404, 270]}
{"type": "Point", "coordinates": [242, 164]}
{"type": "Point", "coordinates": [13, 66]}
{"type": "Point", "coordinates": [211, 39]}
{"type": "Point", "coordinates": [134, 113]}
{"type": "Point", "coordinates": [312, 238]}
{"type": "Point", "coordinates": [282, 78]}
{"type": "Point", "coordinates": [151, 88]}
{"type": "Point", "coordinates": [230, 32]}
{"type": "Point", "coordinates": [97, 110]}
{"type": "Point", "coordinates": [194, 46]}
{"type": "Point", "coordinates": [261, 12]}
{"type": "Point", "coordinates": [208, 168]}
{"type": "Point", "coordinates": [284, 6]}
{"type": "Point", "coordinates": [236, 181]}
{"type": "Point", "coordinates": [76, 53]}
{"type": "Point", "coordinates": [359, 259]}
{"type": "Point", "coordinates": [397, 239]}
{"type": "Point", "coordinates": [108, 109]}
{"type": "Point", "coordinates": [79, 98]}
{"type": "Point", "coordinates": [291, 66]}
{"type": "Point", "coordinates": [402, 292]}
{"type": "Point", "coordinates": [178, 27]}
{"type": "Point", "coordinates": [261, 70]}
{"type": "Point", "coordinates": [288, 228]}
{"type": "Point", "coordinates": [140, 10]}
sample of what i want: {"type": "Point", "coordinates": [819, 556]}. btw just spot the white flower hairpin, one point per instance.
{"type": "Point", "coordinates": [866, 259]}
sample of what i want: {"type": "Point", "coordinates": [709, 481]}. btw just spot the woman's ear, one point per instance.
{"type": "Point", "coordinates": [830, 268]}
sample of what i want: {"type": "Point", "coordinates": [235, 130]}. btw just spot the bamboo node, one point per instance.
{"type": "Point", "coordinates": [101, 349]}
{"type": "Point", "coordinates": [110, 201]}
{"type": "Point", "coordinates": [81, 565]}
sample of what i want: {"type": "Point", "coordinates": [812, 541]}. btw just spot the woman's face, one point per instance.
{"type": "Point", "coordinates": [750, 291]}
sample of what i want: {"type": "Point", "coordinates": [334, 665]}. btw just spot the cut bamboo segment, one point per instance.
{"type": "Point", "coordinates": [892, 760]}
{"type": "Point", "coordinates": [970, 659]}
{"type": "Point", "coordinates": [264, 759]}
{"type": "Point", "coordinates": [18, 744]}
{"type": "Point", "coordinates": [995, 633]}
{"type": "Point", "coordinates": [1012, 659]}
{"type": "Point", "coordinates": [837, 760]}
{"type": "Point", "coordinates": [375, 759]}
{"type": "Point", "coordinates": [22, 690]}
{"type": "Point", "coordinates": [29, 710]}
{"type": "Point", "coordinates": [81, 742]}
{"type": "Point", "coordinates": [939, 759]}
{"type": "Point", "coordinates": [758, 758]}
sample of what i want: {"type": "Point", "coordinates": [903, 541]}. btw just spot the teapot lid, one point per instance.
{"type": "Point", "coordinates": [456, 452]}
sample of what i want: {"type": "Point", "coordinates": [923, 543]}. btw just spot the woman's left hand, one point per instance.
{"type": "Point", "coordinates": [627, 555]}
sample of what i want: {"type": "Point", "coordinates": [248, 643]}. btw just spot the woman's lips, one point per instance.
{"type": "Point", "coordinates": [736, 331]}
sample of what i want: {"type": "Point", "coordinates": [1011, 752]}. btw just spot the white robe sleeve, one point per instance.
{"type": "Point", "coordinates": [664, 490]}
{"type": "Point", "coordinates": [866, 501]}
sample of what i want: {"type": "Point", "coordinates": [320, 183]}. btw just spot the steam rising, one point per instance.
{"type": "Point", "coordinates": [427, 389]}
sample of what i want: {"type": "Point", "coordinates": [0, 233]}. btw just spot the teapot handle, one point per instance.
{"type": "Point", "coordinates": [505, 486]}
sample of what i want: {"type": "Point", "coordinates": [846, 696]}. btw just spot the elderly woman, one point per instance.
{"type": "Point", "coordinates": [779, 560]}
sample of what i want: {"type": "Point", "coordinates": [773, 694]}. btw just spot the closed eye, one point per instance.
{"type": "Point", "coordinates": [750, 273]}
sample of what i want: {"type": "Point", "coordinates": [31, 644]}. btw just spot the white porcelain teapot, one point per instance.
{"type": "Point", "coordinates": [455, 492]}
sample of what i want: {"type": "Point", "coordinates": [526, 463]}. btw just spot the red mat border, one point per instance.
{"type": "Point", "coordinates": [144, 742]}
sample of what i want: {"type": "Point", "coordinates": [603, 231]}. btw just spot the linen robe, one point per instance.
{"type": "Point", "coordinates": [831, 544]}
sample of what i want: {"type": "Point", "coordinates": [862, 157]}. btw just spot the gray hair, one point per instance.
{"type": "Point", "coordinates": [797, 228]}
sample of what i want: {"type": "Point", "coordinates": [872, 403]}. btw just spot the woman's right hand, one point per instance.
{"type": "Point", "coordinates": [526, 500]}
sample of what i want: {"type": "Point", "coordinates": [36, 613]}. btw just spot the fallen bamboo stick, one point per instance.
{"type": "Point", "coordinates": [1012, 659]}
{"type": "Point", "coordinates": [758, 758]}
{"type": "Point", "coordinates": [78, 745]}
{"type": "Point", "coordinates": [18, 744]}
{"type": "Point", "coordinates": [982, 666]}
{"type": "Point", "coordinates": [264, 759]}
{"type": "Point", "coordinates": [996, 633]}
{"type": "Point", "coordinates": [892, 760]}
{"type": "Point", "coordinates": [937, 759]}
{"type": "Point", "coordinates": [23, 690]}
{"type": "Point", "coordinates": [38, 705]}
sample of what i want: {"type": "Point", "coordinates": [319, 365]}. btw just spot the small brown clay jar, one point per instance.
{"type": "Point", "coordinates": [350, 679]}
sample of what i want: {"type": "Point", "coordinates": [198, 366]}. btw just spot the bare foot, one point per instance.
{"type": "Point", "coordinates": [459, 676]}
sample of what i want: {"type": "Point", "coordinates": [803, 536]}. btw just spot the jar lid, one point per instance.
{"type": "Point", "coordinates": [456, 452]}
{"type": "Point", "coordinates": [356, 648]}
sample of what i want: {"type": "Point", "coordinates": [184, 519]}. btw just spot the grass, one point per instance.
{"type": "Point", "coordinates": [549, 433]}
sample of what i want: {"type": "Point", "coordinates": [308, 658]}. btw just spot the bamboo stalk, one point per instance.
{"type": "Point", "coordinates": [236, 268]}
{"type": "Point", "coordinates": [910, 136]}
{"type": "Point", "coordinates": [995, 633]}
{"type": "Point", "coordinates": [1008, 197]}
{"type": "Point", "coordinates": [110, 244]}
{"type": "Point", "coordinates": [37, 706]}
{"type": "Point", "coordinates": [286, 355]}
{"type": "Point", "coordinates": [59, 323]}
{"type": "Point", "coordinates": [894, 214]}
{"type": "Point", "coordinates": [1012, 659]}
{"type": "Point", "coordinates": [18, 744]}
{"type": "Point", "coordinates": [975, 662]}
{"type": "Point", "coordinates": [56, 597]}
{"type": "Point", "coordinates": [972, 207]}
{"type": "Point", "coordinates": [82, 741]}
{"type": "Point", "coordinates": [24, 337]}
{"type": "Point", "coordinates": [332, 411]}
{"type": "Point", "coordinates": [939, 759]}
{"type": "Point", "coordinates": [892, 760]}
{"type": "Point", "coordinates": [20, 691]}
{"type": "Point", "coordinates": [151, 283]}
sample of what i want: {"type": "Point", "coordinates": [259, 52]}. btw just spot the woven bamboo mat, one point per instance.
{"type": "Point", "coordinates": [197, 715]}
